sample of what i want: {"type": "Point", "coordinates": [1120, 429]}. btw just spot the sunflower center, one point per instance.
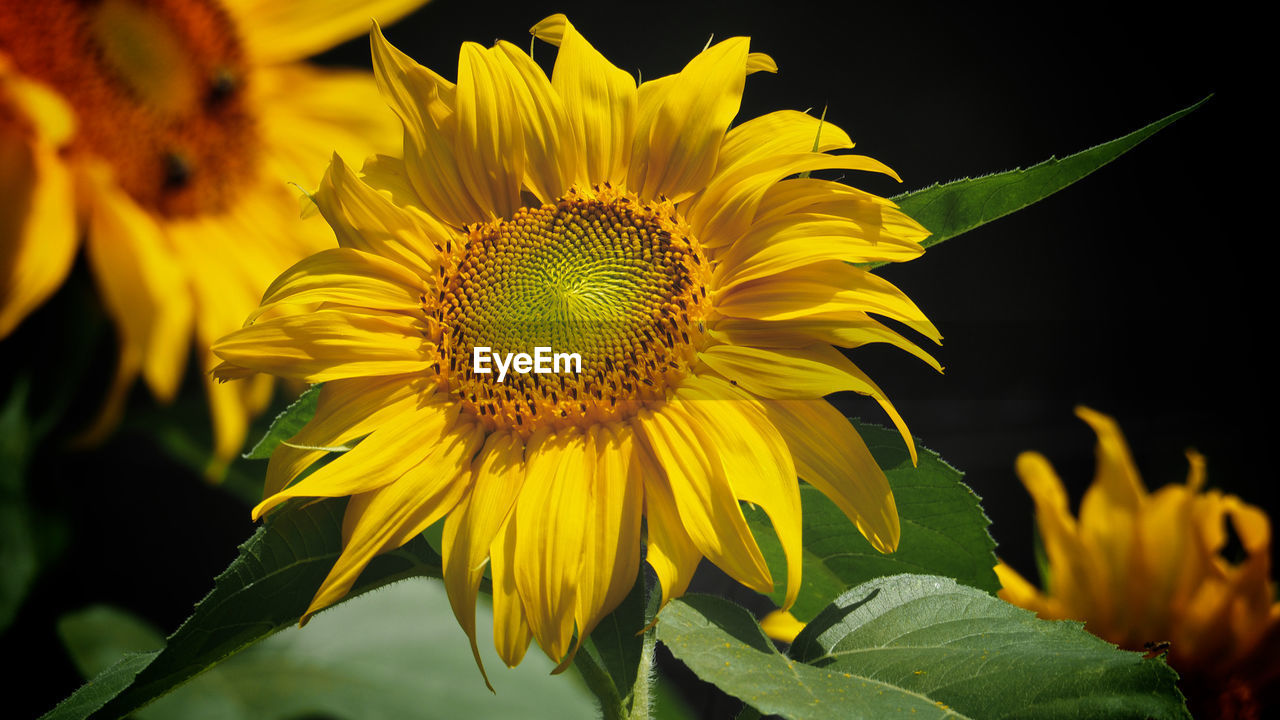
{"type": "Point", "coordinates": [600, 274]}
{"type": "Point", "coordinates": [158, 90]}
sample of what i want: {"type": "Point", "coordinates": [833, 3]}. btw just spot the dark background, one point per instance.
{"type": "Point", "coordinates": [1139, 292]}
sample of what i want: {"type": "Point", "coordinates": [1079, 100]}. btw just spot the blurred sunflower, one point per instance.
{"type": "Point", "coordinates": [702, 290]}
{"type": "Point", "coordinates": [1143, 570]}
{"type": "Point", "coordinates": [164, 132]}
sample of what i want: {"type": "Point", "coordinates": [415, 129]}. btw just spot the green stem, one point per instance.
{"type": "Point", "coordinates": [642, 692]}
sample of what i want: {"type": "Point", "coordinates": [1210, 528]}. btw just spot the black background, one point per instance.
{"type": "Point", "coordinates": [1142, 291]}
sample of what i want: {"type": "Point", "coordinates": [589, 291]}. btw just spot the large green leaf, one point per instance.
{"type": "Point", "coordinates": [944, 531]}
{"type": "Point", "coordinates": [962, 205]}
{"type": "Point", "coordinates": [923, 647]}
{"type": "Point", "coordinates": [386, 655]}
{"type": "Point", "coordinates": [266, 589]}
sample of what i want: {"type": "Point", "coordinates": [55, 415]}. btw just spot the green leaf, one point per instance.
{"type": "Point", "coordinates": [287, 424]}
{"type": "Point", "coordinates": [920, 646]}
{"type": "Point", "coordinates": [962, 205]}
{"type": "Point", "coordinates": [944, 530]}
{"type": "Point", "coordinates": [386, 655]}
{"type": "Point", "coordinates": [266, 589]}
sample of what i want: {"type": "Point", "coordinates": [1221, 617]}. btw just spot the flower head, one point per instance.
{"type": "Point", "coordinates": [1142, 569]}
{"type": "Point", "coordinates": [164, 132]}
{"type": "Point", "coordinates": [702, 290]}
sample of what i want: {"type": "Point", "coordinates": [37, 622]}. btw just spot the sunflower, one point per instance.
{"type": "Point", "coordinates": [698, 272]}
{"type": "Point", "coordinates": [1147, 570]}
{"type": "Point", "coordinates": [164, 133]}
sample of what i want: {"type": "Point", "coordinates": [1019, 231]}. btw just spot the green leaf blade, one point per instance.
{"type": "Point", "coordinates": [920, 646]}
{"type": "Point", "coordinates": [265, 589]}
{"type": "Point", "coordinates": [954, 208]}
{"type": "Point", "coordinates": [944, 530]}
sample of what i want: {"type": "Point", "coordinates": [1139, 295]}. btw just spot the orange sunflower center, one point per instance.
{"type": "Point", "coordinates": [158, 87]}
{"type": "Point", "coordinates": [619, 283]}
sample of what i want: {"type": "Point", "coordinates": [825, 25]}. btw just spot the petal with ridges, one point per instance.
{"type": "Point", "coordinates": [804, 238]}
{"type": "Point", "coordinates": [346, 411]}
{"type": "Point", "coordinates": [551, 153]}
{"type": "Point", "coordinates": [348, 277]}
{"type": "Point", "coordinates": [688, 128]}
{"type": "Point", "coordinates": [470, 530]}
{"type": "Point", "coordinates": [799, 374]}
{"type": "Point", "coordinates": [320, 345]}
{"type": "Point", "coordinates": [755, 457]}
{"type": "Point", "coordinates": [833, 458]}
{"type": "Point", "coordinates": [728, 206]}
{"type": "Point", "coordinates": [511, 633]}
{"type": "Point", "coordinates": [611, 552]}
{"type": "Point", "coordinates": [489, 140]}
{"type": "Point", "coordinates": [844, 329]}
{"type": "Point", "coordinates": [380, 459]}
{"type": "Point", "coordinates": [599, 99]}
{"type": "Point", "coordinates": [820, 289]}
{"type": "Point", "coordinates": [425, 103]}
{"type": "Point", "coordinates": [367, 220]}
{"type": "Point", "coordinates": [669, 551]}
{"type": "Point", "coordinates": [551, 522]}
{"type": "Point", "coordinates": [703, 497]}
{"type": "Point", "coordinates": [386, 518]}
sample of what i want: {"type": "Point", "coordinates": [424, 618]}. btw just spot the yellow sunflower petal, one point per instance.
{"type": "Point", "coordinates": [143, 286]}
{"type": "Point", "coordinates": [364, 219]}
{"type": "Point", "coordinates": [310, 114]}
{"type": "Point", "coordinates": [599, 99]}
{"type": "Point", "coordinates": [1016, 590]}
{"type": "Point", "coordinates": [820, 289]}
{"type": "Point", "coordinates": [756, 460]}
{"type": "Point", "coordinates": [1072, 577]}
{"type": "Point", "coordinates": [842, 329]}
{"type": "Point", "coordinates": [611, 551]}
{"type": "Point", "coordinates": [781, 625]}
{"type": "Point", "coordinates": [782, 132]}
{"type": "Point", "coordinates": [346, 411]}
{"type": "Point", "coordinates": [390, 516]}
{"type": "Point", "coordinates": [348, 277]}
{"type": "Point", "coordinates": [799, 374]}
{"type": "Point", "coordinates": [425, 103]}
{"type": "Point", "coordinates": [833, 458]}
{"type": "Point", "coordinates": [688, 128]}
{"type": "Point", "coordinates": [550, 149]}
{"type": "Point", "coordinates": [803, 238]}
{"type": "Point", "coordinates": [1117, 474]}
{"type": "Point", "coordinates": [489, 144]}
{"type": "Point", "coordinates": [37, 223]}
{"type": "Point", "coordinates": [670, 551]}
{"type": "Point", "coordinates": [549, 545]}
{"type": "Point", "coordinates": [380, 459]}
{"type": "Point", "coordinates": [316, 346]}
{"type": "Point", "coordinates": [275, 31]}
{"type": "Point", "coordinates": [470, 530]}
{"type": "Point", "coordinates": [703, 497]}
{"type": "Point", "coordinates": [724, 211]}
{"type": "Point", "coordinates": [511, 633]}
